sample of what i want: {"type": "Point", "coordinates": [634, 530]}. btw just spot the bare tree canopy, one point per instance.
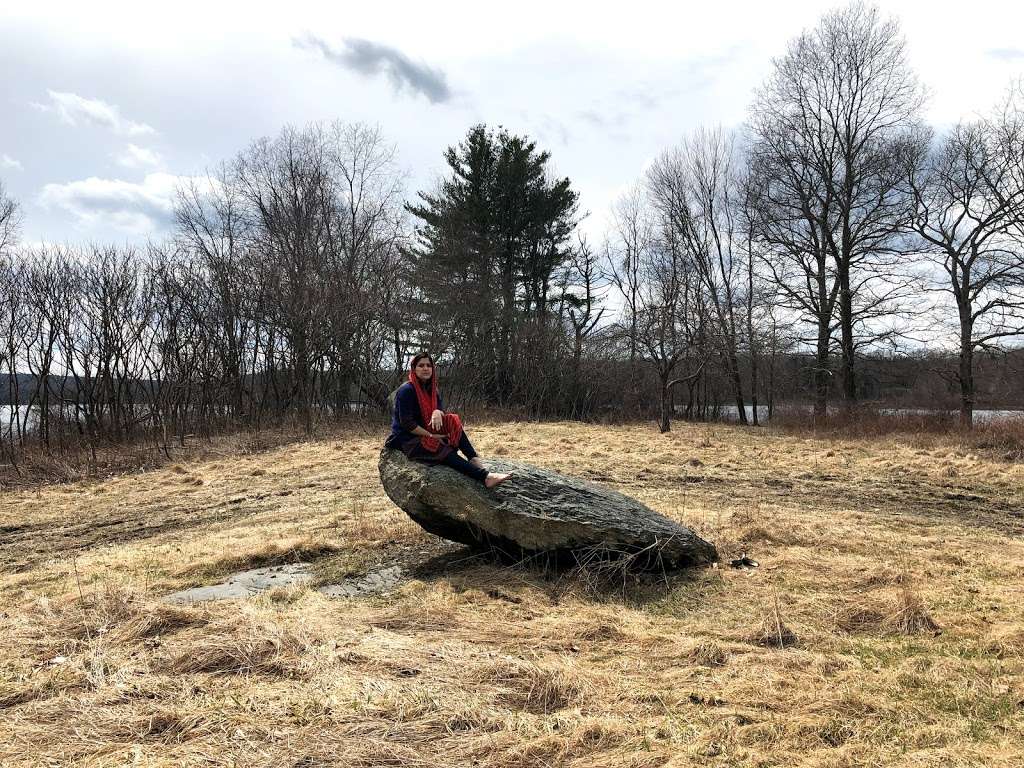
{"type": "Point", "coordinates": [664, 316]}
{"type": "Point", "coordinates": [697, 193]}
{"type": "Point", "coordinates": [968, 212]}
{"type": "Point", "coordinates": [830, 128]}
{"type": "Point", "coordinates": [10, 221]}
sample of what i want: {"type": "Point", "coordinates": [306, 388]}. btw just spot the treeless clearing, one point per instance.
{"type": "Point", "coordinates": [890, 573]}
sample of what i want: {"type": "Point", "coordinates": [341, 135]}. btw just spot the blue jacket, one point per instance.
{"type": "Point", "coordinates": [407, 417]}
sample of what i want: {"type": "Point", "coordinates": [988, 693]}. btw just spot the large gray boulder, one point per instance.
{"type": "Point", "coordinates": [537, 511]}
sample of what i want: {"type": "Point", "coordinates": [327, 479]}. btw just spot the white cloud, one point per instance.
{"type": "Point", "coordinates": [6, 161]}
{"type": "Point", "coordinates": [1007, 54]}
{"type": "Point", "coordinates": [144, 208]}
{"type": "Point", "coordinates": [74, 110]}
{"type": "Point", "coordinates": [647, 69]}
{"type": "Point", "coordinates": [139, 157]}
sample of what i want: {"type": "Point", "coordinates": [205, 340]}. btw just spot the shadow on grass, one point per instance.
{"type": "Point", "coordinates": [592, 575]}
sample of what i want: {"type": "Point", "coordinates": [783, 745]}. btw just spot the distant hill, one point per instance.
{"type": "Point", "coordinates": [27, 384]}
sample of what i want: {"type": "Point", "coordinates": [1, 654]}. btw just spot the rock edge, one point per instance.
{"type": "Point", "coordinates": [537, 511]}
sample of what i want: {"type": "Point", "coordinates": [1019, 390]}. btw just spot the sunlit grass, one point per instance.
{"type": "Point", "coordinates": [896, 581]}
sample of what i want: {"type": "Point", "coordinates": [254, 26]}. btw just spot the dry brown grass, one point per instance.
{"type": "Point", "coordinates": [1003, 439]}
{"type": "Point", "coordinates": [70, 460]}
{"type": "Point", "coordinates": [540, 688]}
{"type": "Point", "coordinates": [866, 548]}
{"type": "Point", "coordinates": [904, 613]}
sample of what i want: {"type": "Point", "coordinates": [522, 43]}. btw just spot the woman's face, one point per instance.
{"type": "Point", "coordinates": [424, 369]}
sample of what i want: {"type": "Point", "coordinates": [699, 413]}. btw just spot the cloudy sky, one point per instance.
{"type": "Point", "coordinates": [104, 105]}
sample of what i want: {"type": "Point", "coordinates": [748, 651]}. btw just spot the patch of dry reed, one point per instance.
{"type": "Point", "coordinates": [901, 613]}
{"type": "Point", "coordinates": [540, 687]}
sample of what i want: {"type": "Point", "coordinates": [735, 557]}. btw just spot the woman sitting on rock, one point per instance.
{"type": "Point", "coordinates": [424, 432]}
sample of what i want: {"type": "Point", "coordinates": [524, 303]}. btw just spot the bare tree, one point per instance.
{"type": "Point", "coordinates": [696, 190]}
{"type": "Point", "coordinates": [10, 221]}
{"type": "Point", "coordinates": [10, 315]}
{"type": "Point", "coordinates": [830, 129]}
{"type": "Point", "coordinates": [12, 332]}
{"type": "Point", "coordinates": [968, 204]}
{"type": "Point", "coordinates": [212, 224]}
{"type": "Point", "coordinates": [792, 219]}
{"type": "Point", "coordinates": [664, 314]}
{"type": "Point", "coordinates": [188, 351]}
{"type": "Point", "coordinates": [107, 338]}
{"type": "Point", "coordinates": [671, 323]}
{"type": "Point", "coordinates": [581, 299]}
{"type": "Point", "coordinates": [371, 206]}
{"type": "Point", "coordinates": [287, 185]}
{"type": "Point", "coordinates": [625, 254]}
{"type": "Point", "coordinates": [761, 297]}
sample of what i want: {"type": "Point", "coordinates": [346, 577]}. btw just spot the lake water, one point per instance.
{"type": "Point", "coordinates": [981, 416]}
{"type": "Point", "coordinates": [732, 413]}
{"type": "Point", "coordinates": [6, 414]}
{"type": "Point", "coordinates": [727, 413]}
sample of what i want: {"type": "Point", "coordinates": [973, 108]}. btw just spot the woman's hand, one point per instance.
{"type": "Point", "coordinates": [436, 420]}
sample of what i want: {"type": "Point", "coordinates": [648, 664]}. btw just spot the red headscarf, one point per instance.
{"type": "Point", "coordinates": [452, 427]}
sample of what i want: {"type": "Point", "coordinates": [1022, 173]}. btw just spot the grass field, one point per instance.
{"type": "Point", "coordinates": [884, 626]}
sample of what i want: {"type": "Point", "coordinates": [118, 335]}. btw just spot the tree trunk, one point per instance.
{"type": "Point", "coordinates": [737, 386]}
{"type": "Point", "coordinates": [848, 351]}
{"type": "Point", "coordinates": [577, 355]}
{"type": "Point", "coordinates": [666, 416]}
{"type": "Point", "coordinates": [503, 374]}
{"type": "Point", "coordinates": [966, 370]}
{"type": "Point", "coordinates": [634, 377]}
{"type": "Point", "coordinates": [821, 376]}
{"type": "Point", "coordinates": [751, 341]}
{"type": "Point", "coordinates": [753, 385]}
{"type": "Point", "coordinates": [399, 360]}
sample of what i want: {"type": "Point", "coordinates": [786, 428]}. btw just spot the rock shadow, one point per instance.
{"type": "Point", "coordinates": [559, 574]}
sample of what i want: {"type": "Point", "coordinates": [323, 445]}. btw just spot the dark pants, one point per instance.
{"type": "Point", "coordinates": [456, 462]}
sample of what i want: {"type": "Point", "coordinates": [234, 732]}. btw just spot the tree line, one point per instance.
{"type": "Point", "coordinates": [835, 221]}
{"type": "Point", "coordinates": [743, 267]}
